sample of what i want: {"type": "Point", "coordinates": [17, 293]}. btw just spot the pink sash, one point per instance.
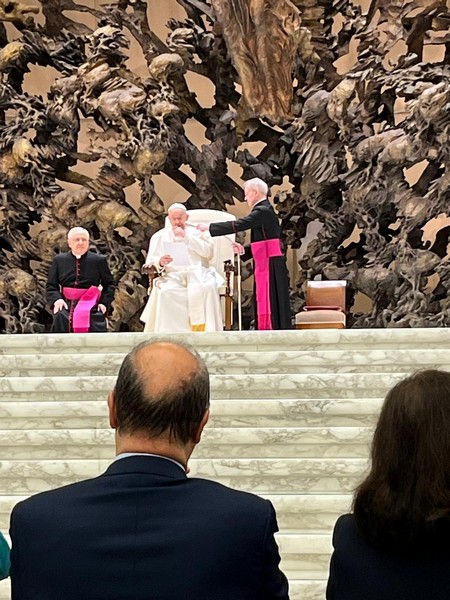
{"type": "Point", "coordinates": [261, 252]}
{"type": "Point", "coordinates": [87, 299]}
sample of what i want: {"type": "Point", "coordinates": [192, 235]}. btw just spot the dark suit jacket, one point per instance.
{"type": "Point", "coordinates": [360, 572]}
{"type": "Point", "coordinates": [143, 530]}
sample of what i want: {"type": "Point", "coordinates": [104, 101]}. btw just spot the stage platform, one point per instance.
{"type": "Point", "coordinates": [292, 414]}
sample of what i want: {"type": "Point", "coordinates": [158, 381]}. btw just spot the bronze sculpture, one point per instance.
{"type": "Point", "coordinates": [341, 141]}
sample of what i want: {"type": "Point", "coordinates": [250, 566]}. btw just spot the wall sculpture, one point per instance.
{"type": "Point", "coordinates": [342, 141]}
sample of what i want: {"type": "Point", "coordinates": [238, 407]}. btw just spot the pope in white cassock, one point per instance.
{"type": "Point", "coordinates": [185, 296]}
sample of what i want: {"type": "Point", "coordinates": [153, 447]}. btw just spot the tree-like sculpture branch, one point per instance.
{"type": "Point", "coordinates": [345, 105]}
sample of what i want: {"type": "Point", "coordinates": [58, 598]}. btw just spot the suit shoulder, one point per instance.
{"type": "Point", "coordinates": [52, 497]}
{"type": "Point", "coordinates": [233, 497]}
{"type": "Point", "coordinates": [265, 208]}
{"type": "Point", "coordinates": [96, 256]}
{"type": "Point", "coordinates": [61, 256]}
{"type": "Point", "coordinates": [345, 529]}
{"type": "Point", "coordinates": [265, 205]}
{"type": "Point", "coordinates": [345, 522]}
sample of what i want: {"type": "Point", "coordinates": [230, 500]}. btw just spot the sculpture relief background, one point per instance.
{"type": "Point", "coordinates": [342, 107]}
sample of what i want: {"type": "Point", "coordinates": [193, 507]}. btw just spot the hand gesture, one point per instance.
{"type": "Point", "coordinates": [102, 308]}
{"type": "Point", "coordinates": [203, 227]}
{"type": "Point", "coordinates": [165, 260]}
{"type": "Point", "coordinates": [59, 305]}
{"type": "Point", "coordinates": [179, 232]}
{"type": "Point", "coordinates": [238, 248]}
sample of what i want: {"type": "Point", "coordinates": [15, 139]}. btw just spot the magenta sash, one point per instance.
{"type": "Point", "coordinates": [261, 252]}
{"type": "Point", "coordinates": [87, 299]}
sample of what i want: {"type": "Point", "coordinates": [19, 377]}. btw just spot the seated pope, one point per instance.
{"type": "Point", "coordinates": [185, 296]}
{"type": "Point", "coordinates": [80, 287]}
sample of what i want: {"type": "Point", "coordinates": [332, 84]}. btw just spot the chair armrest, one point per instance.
{"type": "Point", "coordinates": [152, 273]}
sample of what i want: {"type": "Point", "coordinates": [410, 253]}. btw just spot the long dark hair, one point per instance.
{"type": "Point", "coordinates": [405, 499]}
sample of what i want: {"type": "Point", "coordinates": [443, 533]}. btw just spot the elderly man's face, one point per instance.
{"type": "Point", "coordinates": [78, 243]}
{"type": "Point", "coordinates": [252, 195]}
{"type": "Point", "coordinates": [178, 218]}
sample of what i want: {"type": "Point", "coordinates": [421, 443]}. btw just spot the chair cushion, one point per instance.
{"type": "Point", "coordinates": [320, 316]}
{"type": "Point", "coordinates": [339, 308]}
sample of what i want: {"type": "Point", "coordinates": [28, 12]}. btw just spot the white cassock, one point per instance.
{"type": "Point", "coordinates": [183, 298]}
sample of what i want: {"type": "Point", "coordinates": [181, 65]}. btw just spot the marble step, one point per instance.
{"type": "Point", "coordinates": [304, 553]}
{"type": "Point", "coordinates": [292, 415]}
{"type": "Point", "coordinates": [323, 385]}
{"type": "Point", "coordinates": [253, 341]}
{"type": "Point", "coordinates": [258, 475]}
{"type": "Point", "coordinates": [222, 363]}
{"type": "Point", "coordinates": [84, 414]}
{"type": "Point", "coordinates": [307, 589]}
{"type": "Point", "coordinates": [255, 442]}
{"type": "Point", "coordinates": [296, 513]}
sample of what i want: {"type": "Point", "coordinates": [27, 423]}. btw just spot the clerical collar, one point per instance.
{"type": "Point", "coordinates": [259, 201]}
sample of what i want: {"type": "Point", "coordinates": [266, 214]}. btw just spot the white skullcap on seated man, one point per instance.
{"type": "Point", "coordinates": [185, 296]}
{"type": "Point", "coordinates": [176, 206]}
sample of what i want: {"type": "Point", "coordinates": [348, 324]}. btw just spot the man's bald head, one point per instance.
{"type": "Point", "coordinates": [162, 390]}
{"type": "Point", "coordinates": [164, 366]}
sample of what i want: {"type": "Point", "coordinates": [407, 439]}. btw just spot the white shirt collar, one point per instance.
{"type": "Point", "coordinates": [127, 454]}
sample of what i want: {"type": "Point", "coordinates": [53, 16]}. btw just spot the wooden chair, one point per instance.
{"type": "Point", "coordinates": [325, 306]}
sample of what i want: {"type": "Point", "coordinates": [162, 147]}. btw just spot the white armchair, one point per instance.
{"type": "Point", "coordinates": [223, 251]}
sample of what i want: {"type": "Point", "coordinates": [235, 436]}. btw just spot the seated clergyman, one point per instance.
{"type": "Point", "coordinates": [185, 296]}
{"type": "Point", "coordinates": [80, 287]}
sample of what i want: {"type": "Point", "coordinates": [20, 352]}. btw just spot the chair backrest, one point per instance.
{"type": "Point", "coordinates": [326, 294]}
{"type": "Point", "coordinates": [223, 249]}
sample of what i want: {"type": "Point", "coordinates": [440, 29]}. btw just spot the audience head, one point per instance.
{"type": "Point", "coordinates": [177, 214]}
{"type": "Point", "coordinates": [406, 496]}
{"type": "Point", "coordinates": [161, 395]}
{"type": "Point", "coordinates": [78, 240]}
{"type": "Point", "coordinates": [255, 190]}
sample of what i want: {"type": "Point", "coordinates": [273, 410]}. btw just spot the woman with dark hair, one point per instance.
{"type": "Point", "coordinates": [396, 544]}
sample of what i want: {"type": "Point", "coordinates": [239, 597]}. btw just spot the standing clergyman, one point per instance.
{"type": "Point", "coordinates": [272, 305]}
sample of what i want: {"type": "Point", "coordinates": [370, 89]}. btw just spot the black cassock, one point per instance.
{"type": "Point", "coordinates": [68, 271]}
{"type": "Point", "coordinates": [264, 226]}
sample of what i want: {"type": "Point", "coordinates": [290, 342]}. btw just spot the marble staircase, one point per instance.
{"type": "Point", "coordinates": [292, 417]}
